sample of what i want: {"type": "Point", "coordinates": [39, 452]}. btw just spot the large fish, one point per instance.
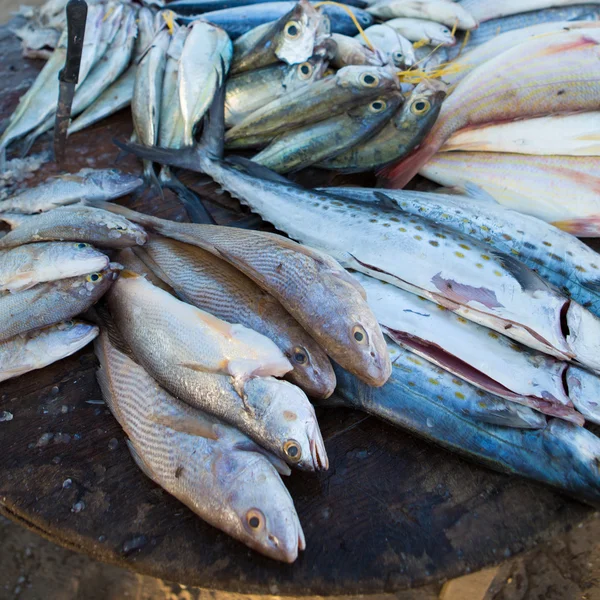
{"type": "Point", "coordinates": [37, 349]}
{"type": "Point", "coordinates": [25, 266]}
{"type": "Point", "coordinates": [423, 30]}
{"type": "Point", "coordinates": [97, 184]}
{"type": "Point", "coordinates": [274, 413]}
{"type": "Point", "coordinates": [216, 471]}
{"type": "Point", "coordinates": [561, 454]}
{"type": "Point", "coordinates": [486, 10]}
{"type": "Point", "coordinates": [52, 302]}
{"type": "Point", "coordinates": [543, 75]}
{"type": "Point", "coordinates": [211, 284]}
{"type": "Point", "coordinates": [442, 11]}
{"type": "Point", "coordinates": [562, 190]}
{"type": "Point", "coordinates": [72, 223]}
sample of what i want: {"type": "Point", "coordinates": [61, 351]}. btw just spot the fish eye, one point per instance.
{"type": "Point", "coordinates": [300, 355]}
{"type": "Point", "coordinates": [420, 107]}
{"type": "Point", "coordinates": [377, 106]}
{"type": "Point", "coordinates": [369, 80]}
{"type": "Point", "coordinates": [119, 228]}
{"type": "Point", "coordinates": [292, 450]}
{"type": "Point", "coordinates": [445, 30]}
{"type": "Point", "coordinates": [359, 334]}
{"type": "Point", "coordinates": [305, 70]}
{"type": "Point", "coordinates": [82, 245]}
{"type": "Point", "coordinates": [94, 277]}
{"type": "Point", "coordinates": [398, 55]}
{"type": "Point", "coordinates": [255, 519]}
{"type": "Point", "coordinates": [292, 29]}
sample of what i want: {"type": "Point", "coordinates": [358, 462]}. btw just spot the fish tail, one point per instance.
{"type": "Point", "coordinates": [212, 141]}
{"type": "Point", "coordinates": [582, 227]}
{"type": "Point", "coordinates": [398, 174]}
{"type": "Point", "coordinates": [152, 179]}
{"type": "Point", "coordinates": [186, 158]}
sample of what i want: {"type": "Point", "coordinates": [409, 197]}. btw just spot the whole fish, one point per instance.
{"type": "Point", "coordinates": [394, 48]}
{"type": "Point", "coordinates": [52, 302]}
{"type": "Point", "coordinates": [442, 11]}
{"type": "Point", "coordinates": [203, 65]}
{"type": "Point", "coordinates": [405, 130]}
{"type": "Point", "coordinates": [326, 139]}
{"type": "Point", "coordinates": [310, 285]}
{"type": "Point", "coordinates": [216, 471]}
{"type": "Point", "coordinates": [275, 414]}
{"type": "Point", "coordinates": [96, 184]}
{"type": "Point", "coordinates": [486, 10]}
{"type": "Point", "coordinates": [560, 454]}
{"type": "Point", "coordinates": [562, 190]}
{"type": "Point", "coordinates": [516, 84]}
{"type": "Point", "coordinates": [196, 7]}
{"type": "Point", "coordinates": [484, 358]}
{"type": "Point", "coordinates": [318, 101]}
{"type": "Point", "coordinates": [557, 256]}
{"type": "Point", "coordinates": [25, 266]}
{"type": "Point", "coordinates": [290, 39]}
{"type": "Point", "coordinates": [72, 223]}
{"type": "Point", "coordinates": [575, 134]}
{"type": "Point", "coordinates": [37, 349]}
{"type": "Point", "coordinates": [350, 51]}
{"type": "Point", "coordinates": [211, 284]}
{"type": "Point", "coordinates": [422, 30]}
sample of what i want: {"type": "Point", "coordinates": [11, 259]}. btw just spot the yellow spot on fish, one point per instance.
{"type": "Point", "coordinates": [404, 204]}
{"type": "Point", "coordinates": [506, 237]}
{"type": "Point", "coordinates": [412, 384]}
{"type": "Point", "coordinates": [479, 265]}
{"type": "Point", "coordinates": [465, 247]}
{"type": "Point", "coordinates": [372, 220]}
{"type": "Point", "coordinates": [484, 228]}
{"type": "Point", "coordinates": [594, 266]}
{"type": "Point", "coordinates": [497, 274]}
{"type": "Point", "coordinates": [402, 229]}
{"type": "Point", "coordinates": [480, 393]}
{"type": "Point", "coordinates": [441, 308]}
{"type": "Point", "coordinates": [386, 224]}
{"type": "Point", "coordinates": [580, 269]}
{"type": "Point", "coordinates": [516, 347]}
{"type": "Point", "coordinates": [515, 252]}
{"type": "Point", "coordinates": [440, 235]}
{"type": "Point", "coordinates": [547, 244]}
{"type": "Point", "coordinates": [433, 381]}
{"type": "Point", "coordinates": [419, 228]}
{"type": "Point", "coordinates": [459, 395]}
{"type": "Point", "coordinates": [445, 216]}
{"type": "Point", "coordinates": [457, 381]}
{"type": "Point", "coordinates": [459, 254]}
{"type": "Point", "coordinates": [414, 359]}
{"type": "Point", "coordinates": [395, 219]}
{"type": "Point", "coordinates": [434, 243]}
{"type": "Point", "coordinates": [485, 257]}
{"type": "Point", "coordinates": [482, 404]}
{"type": "Point", "coordinates": [418, 237]}
{"type": "Point", "coordinates": [461, 320]}
{"type": "Point", "coordinates": [493, 335]}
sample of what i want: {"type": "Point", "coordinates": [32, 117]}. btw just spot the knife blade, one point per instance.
{"type": "Point", "coordinates": [69, 75]}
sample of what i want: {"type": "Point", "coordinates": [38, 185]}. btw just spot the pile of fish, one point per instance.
{"type": "Point", "coordinates": [469, 316]}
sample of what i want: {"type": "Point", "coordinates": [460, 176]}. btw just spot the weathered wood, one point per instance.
{"type": "Point", "coordinates": [392, 512]}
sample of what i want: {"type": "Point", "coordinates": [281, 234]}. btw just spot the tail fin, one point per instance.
{"type": "Point", "coordinates": [582, 227]}
{"type": "Point", "coordinates": [400, 173]}
{"type": "Point", "coordinates": [186, 158]}
{"type": "Point", "coordinates": [195, 208]}
{"type": "Point", "coordinates": [212, 141]}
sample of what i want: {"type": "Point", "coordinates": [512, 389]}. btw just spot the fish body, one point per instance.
{"type": "Point", "coordinates": [422, 30]}
{"type": "Point", "coordinates": [584, 390]}
{"type": "Point", "coordinates": [98, 184]}
{"type": "Point", "coordinates": [197, 7]}
{"type": "Point", "coordinates": [216, 471]}
{"type": "Point", "coordinates": [350, 51]}
{"type": "Point", "coordinates": [486, 10]}
{"type": "Point", "coordinates": [37, 349]}
{"type": "Point", "coordinates": [395, 48]}
{"type": "Point", "coordinates": [213, 285]}
{"type": "Point", "coordinates": [72, 223]}
{"type": "Point", "coordinates": [442, 11]}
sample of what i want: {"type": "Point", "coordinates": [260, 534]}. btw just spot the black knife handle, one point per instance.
{"type": "Point", "coordinates": [76, 18]}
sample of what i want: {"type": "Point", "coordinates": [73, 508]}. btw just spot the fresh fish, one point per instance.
{"type": "Point", "coordinates": [216, 471]}
{"type": "Point", "coordinates": [203, 65]}
{"type": "Point", "coordinates": [486, 10]}
{"type": "Point", "coordinates": [93, 184]}
{"type": "Point", "coordinates": [484, 358]}
{"type": "Point", "coordinates": [52, 302]}
{"type": "Point", "coordinates": [213, 285]}
{"type": "Point", "coordinates": [72, 223]}
{"type": "Point", "coordinates": [275, 414]}
{"type": "Point", "coordinates": [404, 132]}
{"type": "Point", "coordinates": [584, 390]}
{"type": "Point", "coordinates": [290, 39]}
{"type": "Point", "coordinates": [422, 30]}
{"type": "Point", "coordinates": [309, 104]}
{"type": "Point", "coordinates": [310, 285]}
{"type": "Point", "coordinates": [395, 48]}
{"type": "Point", "coordinates": [516, 84]}
{"type": "Point", "coordinates": [557, 256]}
{"type": "Point", "coordinates": [442, 11]}
{"type": "Point", "coordinates": [561, 454]}
{"type": "Point", "coordinates": [562, 190]}
{"type": "Point", "coordinates": [25, 266]}
{"type": "Point", "coordinates": [95, 47]}
{"type": "Point", "coordinates": [196, 7]}
{"type": "Point", "coordinates": [575, 134]}
{"type": "Point", "coordinates": [326, 139]}
{"type": "Point", "coordinates": [350, 51]}
{"type": "Point", "coordinates": [131, 262]}
{"type": "Point", "coordinates": [37, 349]}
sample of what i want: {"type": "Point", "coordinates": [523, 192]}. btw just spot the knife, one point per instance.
{"type": "Point", "coordinates": [69, 76]}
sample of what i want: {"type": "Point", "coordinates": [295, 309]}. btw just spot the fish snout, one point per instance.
{"type": "Point", "coordinates": [320, 461]}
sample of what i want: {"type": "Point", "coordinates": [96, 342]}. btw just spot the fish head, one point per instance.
{"type": "Point", "coordinates": [121, 232]}
{"type": "Point", "coordinates": [422, 106]}
{"type": "Point", "coordinates": [439, 34]}
{"type": "Point", "coordinates": [84, 257]}
{"type": "Point", "coordinates": [365, 79]}
{"type": "Point", "coordinates": [306, 72]}
{"type": "Point", "coordinates": [72, 334]}
{"type": "Point", "coordinates": [312, 372]}
{"type": "Point", "coordinates": [377, 110]}
{"type": "Point", "coordinates": [93, 285]}
{"type": "Point", "coordinates": [296, 39]}
{"type": "Point", "coordinates": [290, 423]}
{"type": "Point", "coordinates": [114, 182]}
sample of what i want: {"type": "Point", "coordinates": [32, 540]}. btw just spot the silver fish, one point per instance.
{"type": "Point", "coordinates": [131, 262]}
{"type": "Point", "coordinates": [395, 48]}
{"type": "Point", "coordinates": [350, 51]}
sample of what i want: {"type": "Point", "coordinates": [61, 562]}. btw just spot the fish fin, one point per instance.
{"type": "Point", "coordinates": [474, 191]}
{"type": "Point", "coordinates": [185, 158]}
{"type": "Point", "coordinates": [399, 173]}
{"type": "Point", "coordinates": [212, 141]}
{"type": "Point", "coordinates": [386, 201]}
{"type": "Point", "coordinates": [152, 179]}
{"type": "Point", "coordinates": [583, 227]}
{"type": "Point", "coordinates": [200, 368]}
{"type": "Point", "coordinates": [139, 461]}
{"type": "Point", "coordinates": [259, 171]}
{"type": "Point", "coordinates": [529, 280]}
{"type": "Point", "coordinates": [102, 317]}
{"type": "Point", "coordinates": [250, 446]}
{"type": "Point", "coordinates": [195, 208]}
{"type": "Point", "coordinates": [186, 423]}
{"type": "Point", "coordinates": [154, 267]}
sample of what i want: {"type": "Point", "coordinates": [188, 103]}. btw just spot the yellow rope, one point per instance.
{"type": "Point", "coordinates": [353, 17]}
{"type": "Point", "coordinates": [110, 11]}
{"type": "Point", "coordinates": [169, 18]}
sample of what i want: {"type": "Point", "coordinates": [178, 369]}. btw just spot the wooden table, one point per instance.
{"type": "Point", "coordinates": [392, 512]}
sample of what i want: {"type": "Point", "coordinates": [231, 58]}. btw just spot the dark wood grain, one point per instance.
{"type": "Point", "coordinates": [392, 512]}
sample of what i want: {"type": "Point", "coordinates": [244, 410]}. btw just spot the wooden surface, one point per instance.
{"type": "Point", "coordinates": [392, 512]}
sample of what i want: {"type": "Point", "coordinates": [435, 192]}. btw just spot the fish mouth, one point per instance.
{"type": "Point", "coordinates": [320, 461]}
{"type": "Point", "coordinates": [284, 551]}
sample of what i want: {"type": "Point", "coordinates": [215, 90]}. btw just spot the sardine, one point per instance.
{"type": "Point", "coordinates": [37, 349]}
{"type": "Point", "coordinates": [96, 184]}
{"type": "Point", "coordinates": [274, 413]}
{"type": "Point", "coordinates": [561, 454]}
{"type": "Point", "coordinates": [25, 266]}
{"type": "Point", "coordinates": [213, 285]}
{"type": "Point", "coordinates": [486, 10]}
{"type": "Point", "coordinates": [217, 472]}
{"type": "Point", "coordinates": [423, 30]}
{"type": "Point", "coordinates": [543, 75]}
{"type": "Point", "coordinates": [405, 131]}
{"type": "Point", "coordinates": [72, 223]}
{"type": "Point", "coordinates": [395, 48]}
{"type": "Point", "coordinates": [350, 51]}
{"type": "Point", "coordinates": [52, 302]}
{"type": "Point", "coordinates": [442, 11]}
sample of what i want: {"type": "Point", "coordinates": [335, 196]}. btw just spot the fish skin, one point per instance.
{"type": "Point", "coordinates": [350, 51]}
{"type": "Point", "coordinates": [535, 185]}
{"type": "Point", "coordinates": [487, 10]}
{"type": "Point", "coordinates": [394, 48]}
{"type": "Point", "coordinates": [72, 223]}
{"type": "Point", "coordinates": [404, 132]}
{"type": "Point", "coordinates": [576, 270]}
{"type": "Point", "coordinates": [326, 139]}
{"type": "Point", "coordinates": [37, 349]}
{"type": "Point", "coordinates": [261, 415]}
{"type": "Point", "coordinates": [562, 454]}
{"type": "Point", "coordinates": [484, 358]}
{"type": "Point", "coordinates": [52, 302]}
{"type": "Point", "coordinates": [417, 30]}
{"type": "Point", "coordinates": [443, 11]}
{"type": "Point", "coordinates": [311, 285]}
{"type": "Point", "coordinates": [213, 469]}
{"type": "Point", "coordinates": [97, 184]}
{"type": "Point", "coordinates": [132, 262]}
{"type": "Point", "coordinates": [211, 284]}
{"type": "Point", "coordinates": [511, 86]}
{"type": "Point", "coordinates": [25, 266]}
